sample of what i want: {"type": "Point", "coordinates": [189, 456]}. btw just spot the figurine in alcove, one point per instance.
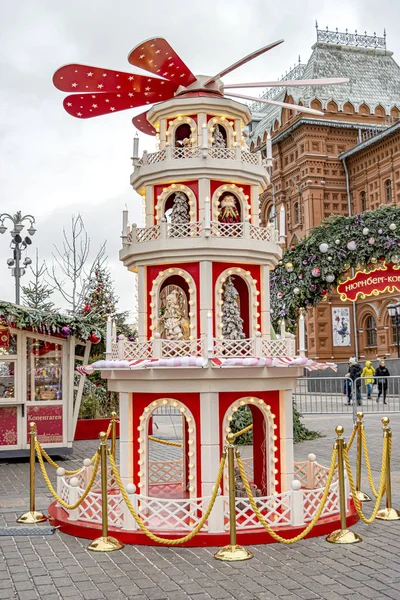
{"type": "Point", "coordinates": [229, 212]}
{"type": "Point", "coordinates": [172, 323]}
{"type": "Point", "coordinates": [218, 138]}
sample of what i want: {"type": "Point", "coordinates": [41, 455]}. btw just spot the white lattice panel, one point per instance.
{"type": "Point", "coordinates": [226, 229]}
{"type": "Point", "coordinates": [250, 158]}
{"type": "Point", "coordinates": [249, 468]}
{"type": "Point", "coordinates": [224, 153]}
{"type": "Point", "coordinates": [165, 472]}
{"type": "Point", "coordinates": [263, 234]}
{"type": "Point", "coordinates": [312, 501]}
{"type": "Point", "coordinates": [179, 153]}
{"type": "Point", "coordinates": [172, 349]}
{"type": "Point", "coordinates": [234, 348]}
{"type": "Point", "coordinates": [184, 230]}
{"type": "Point", "coordinates": [159, 513]}
{"type": "Point", "coordinates": [274, 509]}
{"type": "Point", "coordinates": [111, 483]}
{"type": "Point", "coordinates": [147, 234]}
{"type": "Point", "coordinates": [274, 348]}
{"type": "Point", "coordinates": [300, 472]}
{"type": "Point", "coordinates": [154, 157]}
{"type": "Point", "coordinates": [321, 475]}
{"type": "Point", "coordinates": [138, 350]}
{"type": "Point", "coordinates": [91, 509]}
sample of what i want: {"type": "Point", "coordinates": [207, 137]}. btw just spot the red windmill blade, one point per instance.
{"type": "Point", "coordinates": [93, 105]}
{"type": "Point", "coordinates": [141, 123]}
{"type": "Point", "coordinates": [158, 57]}
{"type": "Point", "coordinates": [87, 79]}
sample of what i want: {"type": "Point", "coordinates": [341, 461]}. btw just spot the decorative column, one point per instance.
{"type": "Point", "coordinates": [206, 296]}
{"type": "Point", "coordinates": [286, 439]}
{"type": "Point", "coordinates": [143, 301]}
{"type": "Point", "coordinates": [210, 440]}
{"type": "Point", "coordinates": [204, 192]}
{"type": "Point", "coordinates": [149, 199]}
{"type": "Point", "coordinates": [126, 432]}
{"type": "Point", "coordinates": [255, 217]}
{"type": "Point", "coordinates": [163, 133]}
{"type": "Point", "coordinates": [265, 303]}
{"type": "Point", "coordinates": [201, 121]}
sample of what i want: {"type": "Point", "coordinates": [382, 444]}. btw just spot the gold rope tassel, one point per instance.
{"type": "Point", "coordinates": [32, 516]}
{"type": "Point", "coordinates": [360, 495]}
{"type": "Point", "coordinates": [342, 535]}
{"type": "Point", "coordinates": [105, 543]}
{"type": "Point", "coordinates": [388, 513]}
{"type": "Point", "coordinates": [232, 552]}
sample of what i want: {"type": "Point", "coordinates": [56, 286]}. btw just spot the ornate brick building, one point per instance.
{"type": "Point", "coordinates": [346, 161]}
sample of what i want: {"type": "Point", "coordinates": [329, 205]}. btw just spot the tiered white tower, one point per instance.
{"type": "Point", "coordinates": [182, 358]}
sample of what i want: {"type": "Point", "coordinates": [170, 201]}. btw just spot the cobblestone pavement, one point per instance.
{"type": "Point", "coordinates": [59, 566]}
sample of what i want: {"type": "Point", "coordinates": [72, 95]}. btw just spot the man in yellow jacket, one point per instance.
{"type": "Point", "coordinates": [368, 373]}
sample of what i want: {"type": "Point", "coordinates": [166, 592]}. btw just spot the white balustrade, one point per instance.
{"type": "Point", "coordinates": [170, 153]}
{"type": "Point", "coordinates": [234, 348]}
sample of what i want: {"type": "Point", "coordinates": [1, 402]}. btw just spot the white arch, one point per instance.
{"type": "Point", "coordinates": [173, 126]}
{"type": "Point", "coordinates": [155, 298]}
{"type": "Point", "coordinates": [240, 195]}
{"type": "Point", "coordinates": [171, 189]}
{"type": "Point", "coordinates": [253, 299]}
{"type": "Point", "coordinates": [271, 437]}
{"type": "Point", "coordinates": [144, 459]}
{"type": "Point", "coordinates": [227, 125]}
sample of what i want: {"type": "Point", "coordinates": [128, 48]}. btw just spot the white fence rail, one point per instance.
{"type": "Point", "coordinates": [189, 153]}
{"type": "Point", "coordinates": [293, 507]}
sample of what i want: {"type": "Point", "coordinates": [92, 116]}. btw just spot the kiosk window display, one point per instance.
{"type": "Point", "coordinates": [38, 382]}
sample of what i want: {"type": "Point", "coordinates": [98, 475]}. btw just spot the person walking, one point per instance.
{"type": "Point", "coordinates": [368, 375]}
{"type": "Point", "coordinates": [355, 374]}
{"type": "Point", "coordinates": [381, 375]}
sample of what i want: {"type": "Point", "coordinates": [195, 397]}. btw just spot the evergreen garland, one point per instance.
{"type": "Point", "coordinates": [310, 269]}
{"type": "Point", "coordinates": [50, 322]}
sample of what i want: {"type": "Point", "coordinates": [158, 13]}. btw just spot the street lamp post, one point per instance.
{"type": "Point", "coordinates": [17, 245]}
{"type": "Point", "coordinates": [394, 313]}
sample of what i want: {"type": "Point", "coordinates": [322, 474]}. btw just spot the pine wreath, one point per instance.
{"type": "Point", "coordinates": [317, 263]}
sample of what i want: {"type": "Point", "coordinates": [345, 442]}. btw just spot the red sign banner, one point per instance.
{"type": "Point", "coordinates": [49, 423]}
{"type": "Point", "coordinates": [383, 279]}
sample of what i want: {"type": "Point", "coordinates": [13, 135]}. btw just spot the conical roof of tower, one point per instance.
{"type": "Point", "coordinates": [374, 79]}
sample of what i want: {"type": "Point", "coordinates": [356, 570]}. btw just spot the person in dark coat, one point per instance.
{"type": "Point", "coordinates": [355, 374]}
{"type": "Point", "coordinates": [381, 375]}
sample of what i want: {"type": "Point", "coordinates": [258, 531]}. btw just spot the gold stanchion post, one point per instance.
{"type": "Point", "coordinates": [32, 516]}
{"type": "Point", "coordinates": [113, 433]}
{"type": "Point", "coordinates": [388, 513]}
{"type": "Point", "coordinates": [233, 551]}
{"type": "Point", "coordinates": [105, 543]}
{"type": "Point", "coordinates": [361, 496]}
{"type": "Point", "coordinates": [342, 535]}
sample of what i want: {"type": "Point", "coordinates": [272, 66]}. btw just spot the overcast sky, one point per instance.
{"type": "Point", "coordinates": [54, 166]}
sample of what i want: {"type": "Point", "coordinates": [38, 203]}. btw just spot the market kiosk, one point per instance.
{"type": "Point", "coordinates": [38, 382]}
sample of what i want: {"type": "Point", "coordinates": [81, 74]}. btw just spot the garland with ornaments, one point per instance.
{"type": "Point", "coordinates": [89, 328]}
{"type": "Point", "coordinates": [319, 262]}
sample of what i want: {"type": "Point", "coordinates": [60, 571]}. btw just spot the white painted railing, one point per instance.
{"type": "Point", "coordinates": [242, 230]}
{"type": "Point", "coordinates": [293, 507]}
{"type": "Point", "coordinates": [171, 153]}
{"type": "Point", "coordinates": [257, 347]}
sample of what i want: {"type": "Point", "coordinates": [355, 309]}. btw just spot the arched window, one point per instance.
{"type": "Point", "coordinates": [270, 215]}
{"type": "Point", "coordinates": [296, 210]}
{"type": "Point", "coordinates": [395, 332]}
{"type": "Point", "coordinates": [363, 201]}
{"type": "Point", "coordinates": [371, 331]}
{"type": "Point", "coordinates": [388, 191]}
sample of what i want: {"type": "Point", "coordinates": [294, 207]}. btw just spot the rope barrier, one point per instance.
{"type": "Point", "coordinates": [165, 442]}
{"type": "Point", "coordinates": [245, 430]}
{"type": "Point", "coordinates": [57, 466]}
{"type": "Point", "coordinates": [260, 517]}
{"type": "Point", "coordinates": [139, 520]}
{"type": "Point", "coordinates": [52, 490]}
{"type": "Point", "coordinates": [352, 437]}
{"type": "Point", "coordinates": [368, 465]}
{"type": "Point", "coordinates": [382, 486]}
